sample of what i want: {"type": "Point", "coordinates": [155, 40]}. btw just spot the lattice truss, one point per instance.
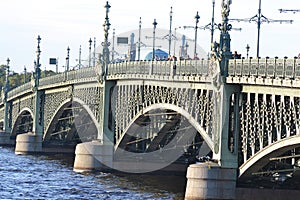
{"type": "Point", "coordinates": [20, 104]}
{"type": "Point", "coordinates": [93, 98]}
{"type": "Point", "coordinates": [90, 96]}
{"type": "Point", "coordinates": [266, 119]}
{"type": "Point", "coordinates": [52, 102]}
{"type": "Point", "coordinates": [130, 101]}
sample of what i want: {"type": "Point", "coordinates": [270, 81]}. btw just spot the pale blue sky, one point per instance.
{"type": "Point", "coordinates": [63, 23]}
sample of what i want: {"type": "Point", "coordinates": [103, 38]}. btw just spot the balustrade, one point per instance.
{"type": "Point", "coordinates": [286, 68]}
{"type": "Point", "coordinates": [163, 68]}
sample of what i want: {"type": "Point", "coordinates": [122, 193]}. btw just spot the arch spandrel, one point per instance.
{"type": "Point", "coordinates": [23, 122]}
{"type": "Point", "coordinates": [206, 137]}
{"type": "Point", "coordinates": [72, 104]}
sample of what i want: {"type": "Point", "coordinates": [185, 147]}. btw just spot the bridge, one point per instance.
{"type": "Point", "coordinates": [142, 116]}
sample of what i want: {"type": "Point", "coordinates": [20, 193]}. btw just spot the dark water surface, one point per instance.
{"type": "Point", "coordinates": [52, 177]}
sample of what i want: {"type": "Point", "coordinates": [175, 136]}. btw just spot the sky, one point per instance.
{"type": "Point", "coordinates": [71, 23]}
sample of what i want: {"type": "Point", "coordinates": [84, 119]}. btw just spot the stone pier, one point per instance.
{"type": "Point", "coordinates": [28, 143]}
{"type": "Point", "coordinates": [90, 156]}
{"type": "Point", "coordinates": [210, 181]}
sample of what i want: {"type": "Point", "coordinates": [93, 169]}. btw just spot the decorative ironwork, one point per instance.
{"type": "Point", "coordinates": [18, 105]}
{"type": "Point", "coordinates": [132, 99]}
{"type": "Point", "coordinates": [266, 119]}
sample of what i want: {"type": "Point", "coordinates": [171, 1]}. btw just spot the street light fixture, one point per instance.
{"type": "Point", "coordinates": [113, 46]}
{"type": "Point", "coordinates": [68, 59]}
{"type": "Point", "coordinates": [6, 89]}
{"type": "Point", "coordinates": [197, 17]}
{"type": "Point", "coordinates": [25, 74]}
{"type": "Point", "coordinates": [247, 48]}
{"type": "Point", "coordinates": [139, 43]}
{"type": "Point", "coordinates": [38, 54]}
{"type": "Point", "coordinates": [259, 19]}
{"type": "Point", "coordinates": [170, 31]}
{"type": "Point", "coordinates": [106, 43]}
{"type": "Point", "coordinates": [90, 51]}
{"type": "Point", "coordinates": [154, 27]}
{"type": "Point", "coordinates": [212, 23]}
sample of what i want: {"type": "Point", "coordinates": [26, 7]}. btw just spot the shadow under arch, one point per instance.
{"type": "Point", "coordinates": [67, 125]}
{"type": "Point", "coordinates": [262, 158]}
{"type": "Point", "coordinates": [160, 136]}
{"type": "Point", "coordinates": [175, 108]}
{"type": "Point", "coordinates": [23, 123]}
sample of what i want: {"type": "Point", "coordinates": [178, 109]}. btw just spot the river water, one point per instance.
{"type": "Point", "coordinates": [52, 177]}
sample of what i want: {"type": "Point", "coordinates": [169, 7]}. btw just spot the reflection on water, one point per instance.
{"type": "Point", "coordinates": [52, 177]}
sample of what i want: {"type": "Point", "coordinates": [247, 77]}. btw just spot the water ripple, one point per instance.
{"type": "Point", "coordinates": [42, 177]}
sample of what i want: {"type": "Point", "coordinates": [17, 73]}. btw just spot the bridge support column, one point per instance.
{"type": "Point", "coordinates": [5, 139]}
{"type": "Point", "coordinates": [92, 156]}
{"type": "Point", "coordinates": [210, 181]}
{"type": "Point", "coordinates": [28, 143]}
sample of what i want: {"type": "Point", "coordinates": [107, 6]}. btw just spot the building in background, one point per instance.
{"type": "Point", "coordinates": [124, 46]}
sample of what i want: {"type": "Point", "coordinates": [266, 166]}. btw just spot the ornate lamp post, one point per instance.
{"type": "Point", "coordinates": [212, 23]}
{"type": "Point", "coordinates": [79, 58]}
{"type": "Point", "coordinates": [113, 47]}
{"type": "Point", "coordinates": [68, 59]}
{"type": "Point", "coordinates": [94, 54]}
{"type": "Point", "coordinates": [7, 123]}
{"type": "Point", "coordinates": [25, 73]}
{"type": "Point", "coordinates": [90, 51]}
{"type": "Point", "coordinates": [38, 65]}
{"type": "Point", "coordinates": [247, 48]}
{"type": "Point", "coordinates": [197, 17]}
{"type": "Point", "coordinates": [259, 19]}
{"type": "Point", "coordinates": [224, 53]}
{"type": "Point", "coordinates": [6, 78]}
{"type": "Point", "coordinates": [153, 50]}
{"type": "Point", "coordinates": [139, 44]}
{"type": "Point", "coordinates": [106, 44]}
{"type": "Point", "coordinates": [170, 31]}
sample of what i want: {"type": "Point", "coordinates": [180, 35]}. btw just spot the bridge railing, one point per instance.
{"type": "Point", "coordinates": [19, 90]}
{"type": "Point", "coordinates": [164, 68]}
{"type": "Point", "coordinates": [75, 75]}
{"type": "Point", "coordinates": [286, 68]}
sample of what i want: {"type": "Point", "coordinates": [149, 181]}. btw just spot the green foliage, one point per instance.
{"type": "Point", "coordinates": [16, 79]}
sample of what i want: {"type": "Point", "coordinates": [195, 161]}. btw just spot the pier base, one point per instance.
{"type": "Point", "coordinates": [210, 181]}
{"type": "Point", "coordinates": [28, 143]}
{"type": "Point", "coordinates": [5, 139]}
{"type": "Point", "coordinates": [90, 156]}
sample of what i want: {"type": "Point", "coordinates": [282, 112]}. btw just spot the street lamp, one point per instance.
{"type": "Point", "coordinates": [106, 43]}
{"type": "Point", "coordinates": [170, 31]}
{"type": "Point", "coordinates": [197, 17]}
{"type": "Point", "coordinates": [6, 76]}
{"type": "Point", "coordinates": [94, 54]}
{"type": "Point", "coordinates": [154, 27]}
{"type": "Point", "coordinates": [139, 44]}
{"type": "Point", "coordinates": [6, 88]}
{"type": "Point", "coordinates": [113, 46]}
{"type": "Point", "coordinates": [212, 23]}
{"type": "Point", "coordinates": [90, 51]}
{"type": "Point", "coordinates": [259, 19]}
{"type": "Point", "coordinates": [25, 73]}
{"type": "Point", "coordinates": [247, 48]}
{"type": "Point", "coordinates": [38, 54]}
{"type": "Point", "coordinates": [67, 59]}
